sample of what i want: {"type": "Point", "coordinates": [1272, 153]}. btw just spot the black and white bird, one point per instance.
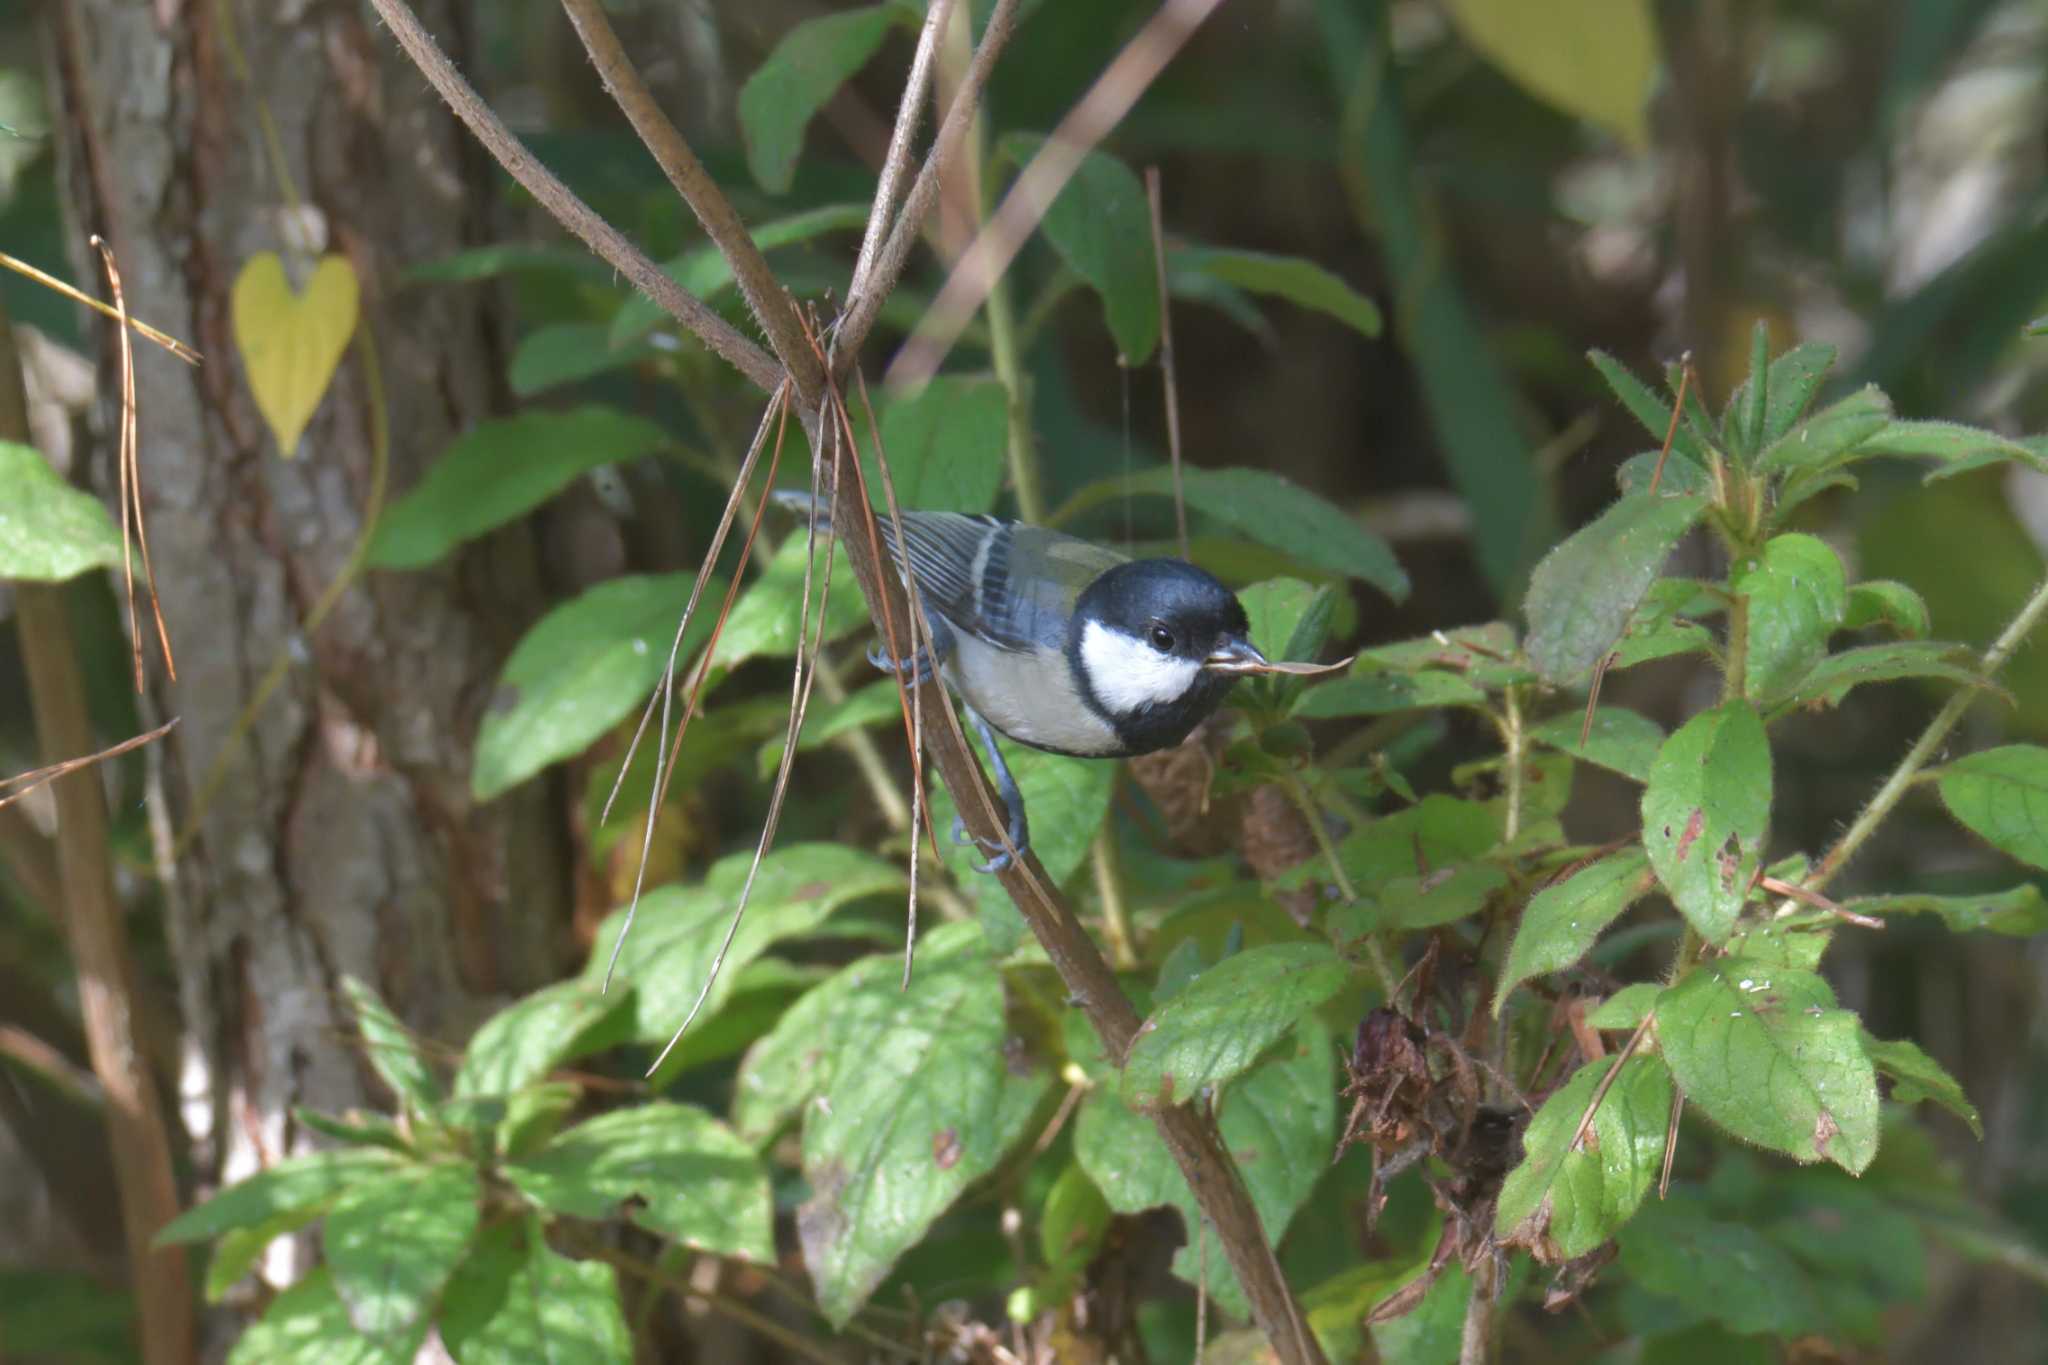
{"type": "Point", "coordinates": [1062, 644]}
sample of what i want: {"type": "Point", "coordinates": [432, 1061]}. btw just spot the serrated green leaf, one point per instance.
{"type": "Point", "coordinates": [1568, 1200]}
{"type": "Point", "coordinates": [1584, 591]}
{"type": "Point", "coordinates": [945, 445]}
{"type": "Point", "coordinates": [499, 471]}
{"type": "Point", "coordinates": [50, 531]}
{"type": "Point", "coordinates": [1944, 441]}
{"type": "Point", "coordinates": [1620, 740]}
{"type": "Point", "coordinates": [927, 1100]}
{"type": "Point", "coordinates": [799, 77]}
{"type": "Point", "coordinates": [1797, 595]}
{"type": "Point", "coordinates": [581, 669]}
{"type": "Point", "coordinates": [1836, 434]}
{"type": "Point", "coordinates": [1101, 226]}
{"type": "Point", "coordinates": [1626, 1007]}
{"type": "Point", "coordinates": [309, 1325]}
{"type": "Point", "coordinates": [667, 958]}
{"type": "Point", "coordinates": [389, 1045]}
{"type": "Point", "coordinates": [1917, 1076]}
{"type": "Point", "coordinates": [764, 622]}
{"type": "Point", "coordinates": [531, 1037]}
{"type": "Point", "coordinates": [1277, 1121]}
{"type": "Point", "coordinates": [1646, 407]}
{"type": "Point", "coordinates": [567, 353]}
{"type": "Point", "coordinates": [1742, 421]}
{"type": "Point", "coordinates": [1835, 676]}
{"type": "Point", "coordinates": [1294, 278]}
{"type": "Point", "coordinates": [1483, 654]}
{"type": "Point", "coordinates": [1884, 602]}
{"type": "Point", "coordinates": [2020, 911]}
{"type": "Point", "coordinates": [1217, 1027]}
{"type": "Point", "coordinates": [1706, 812]}
{"type": "Point", "coordinates": [1762, 1050]}
{"type": "Point", "coordinates": [1444, 896]}
{"type": "Point", "coordinates": [298, 1183]}
{"type": "Point", "coordinates": [1674, 474]}
{"type": "Point", "coordinates": [1771, 944]}
{"type": "Point", "coordinates": [1795, 377]}
{"type": "Point", "coordinates": [700, 1183]}
{"type": "Point", "coordinates": [1563, 919]}
{"type": "Point", "coordinates": [2001, 795]}
{"type": "Point", "coordinates": [393, 1239]}
{"type": "Point", "coordinates": [705, 272]}
{"type": "Point", "coordinates": [1065, 800]}
{"type": "Point", "coordinates": [516, 1301]}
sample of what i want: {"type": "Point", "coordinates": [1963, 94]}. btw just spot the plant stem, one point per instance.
{"type": "Point", "coordinates": [1023, 456]}
{"type": "Point", "coordinates": [1735, 669]}
{"type": "Point", "coordinates": [1109, 888]}
{"type": "Point", "coordinates": [1931, 739]}
{"type": "Point", "coordinates": [1515, 738]}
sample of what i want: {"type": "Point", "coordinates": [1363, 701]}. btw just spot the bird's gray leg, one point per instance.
{"type": "Point", "coordinates": [922, 663]}
{"type": "Point", "coordinates": [1013, 800]}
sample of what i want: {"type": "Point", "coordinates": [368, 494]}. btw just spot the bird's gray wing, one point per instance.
{"type": "Point", "coordinates": [1029, 584]}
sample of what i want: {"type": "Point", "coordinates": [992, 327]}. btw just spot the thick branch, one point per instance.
{"type": "Point", "coordinates": [771, 304]}
{"type": "Point", "coordinates": [568, 210]}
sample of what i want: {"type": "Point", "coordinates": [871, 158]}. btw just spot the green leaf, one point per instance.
{"type": "Point", "coordinates": [1217, 1027]}
{"type": "Point", "coordinates": [1795, 377]}
{"type": "Point", "coordinates": [1835, 435]}
{"type": "Point", "coordinates": [567, 353]}
{"type": "Point", "coordinates": [679, 929]}
{"type": "Point", "coordinates": [1797, 595]}
{"type": "Point", "coordinates": [1102, 228]}
{"type": "Point", "coordinates": [1679, 475]}
{"type": "Point", "coordinates": [945, 445]}
{"type": "Point", "coordinates": [391, 1050]}
{"type": "Point", "coordinates": [297, 1184]}
{"type": "Point", "coordinates": [1075, 1217]}
{"type": "Point", "coordinates": [1917, 1076]}
{"type": "Point", "coordinates": [1370, 691]}
{"type": "Point", "coordinates": [1271, 511]}
{"type": "Point", "coordinates": [826, 721]}
{"type": "Point", "coordinates": [2001, 795]}
{"type": "Point", "coordinates": [924, 1099]}
{"type": "Point", "coordinates": [1724, 1272]}
{"type": "Point", "coordinates": [1065, 800]}
{"type": "Point", "coordinates": [799, 78]}
{"type": "Point", "coordinates": [393, 1239]}
{"type": "Point", "coordinates": [516, 1301]}
{"type": "Point", "coordinates": [309, 1325]}
{"type": "Point", "coordinates": [2020, 911]}
{"type": "Point", "coordinates": [1294, 278]}
{"type": "Point", "coordinates": [1483, 654]}
{"type": "Point", "coordinates": [1583, 592]}
{"type": "Point", "coordinates": [1444, 896]}
{"type": "Point", "coordinates": [1742, 422]}
{"type": "Point", "coordinates": [1836, 675]}
{"type": "Point", "coordinates": [1439, 831]}
{"type": "Point", "coordinates": [700, 1183]}
{"type": "Point", "coordinates": [1944, 441]}
{"type": "Point", "coordinates": [502, 470]}
{"type": "Point", "coordinates": [704, 271]}
{"type": "Point", "coordinates": [1563, 919]}
{"type": "Point", "coordinates": [530, 1037]}
{"type": "Point", "coordinates": [1626, 1007]}
{"type": "Point", "coordinates": [1564, 1201]}
{"type": "Point", "coordinates": [1764, 1052]}
{"type": "Point", "coordinates": [1621, 740]}
{"type": "Point", "coordinates": [581, 669]}
{"type": "Point", "coordinates": [766, 619]}
{"type": "Point", "coordinates": [1881, 601]}
{"type": "Point", "coordinates": [1277, 1120]}
{"type": "Point", "coordinates": [1646, 407]}
{"type": "Point", "coordinates": [793, 1061]}
{"type": "Point", "coordinates": [1432, 1332]}
{"type": "Point", "coordinates": [1706, 812]}
{"type": "Point", "coordinates": [50, 530]}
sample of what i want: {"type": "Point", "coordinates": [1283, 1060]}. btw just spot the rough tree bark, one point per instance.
{"type": "Point", "coordinates": [344, 838]}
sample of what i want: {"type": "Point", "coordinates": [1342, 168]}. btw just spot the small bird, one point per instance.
{"type": "Point", "coordinates": [1062, 644]}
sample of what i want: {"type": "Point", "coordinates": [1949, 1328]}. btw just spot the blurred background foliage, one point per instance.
{"type": "Point", "coordinates": [1513, 184]}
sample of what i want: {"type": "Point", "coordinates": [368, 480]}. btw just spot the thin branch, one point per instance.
{"type": "Point", "coordinates": [897, 161]}
{"type": "Point", "coordinates": [997, 244]}
{"type": "Point", "coordinates": [568, 210]}
{"type": "Point", "coordinates": [1166, 366]}
{"type": "Point", "coordinates": [864, 303]}
{"type": "Point", "coordinates": [772, 307]}
{"type": "Point", "coordinates": [48, 281]}
{"type": "Point", "coordinates": [38, 776]}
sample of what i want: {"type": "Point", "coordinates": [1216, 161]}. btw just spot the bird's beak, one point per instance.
{"type": "Point", "coordinates": [1234, 656]}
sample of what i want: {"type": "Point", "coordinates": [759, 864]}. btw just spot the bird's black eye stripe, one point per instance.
{"type": "Point", "coordinates": [1161, 638]}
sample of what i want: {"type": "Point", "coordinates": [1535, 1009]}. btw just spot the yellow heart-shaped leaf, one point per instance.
{"type": "Point", "coordinates": [1594, 59]}
{"type": "Point", "coordinates": [291, 343]}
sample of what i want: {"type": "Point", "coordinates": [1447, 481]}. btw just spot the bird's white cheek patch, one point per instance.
{"type": "Point", "coordinates": [1129, 675]}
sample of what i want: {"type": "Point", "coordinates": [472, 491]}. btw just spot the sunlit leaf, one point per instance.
{"type": "Point", "coordinates": [1217, 1027]}
{"type": "Point", "coordinates": [2001, 795]}
{"type": "Point", "coordinates": [308, 1182]}
{"type": "Point", "coordinates": [308, 1324]}
{"type": "Point", "coordinates": [1562, 920]}
{"type": "Point", "coordinates": [49, 531]}
{"type": "Point", "coordinates": [530, 1037]}
{"type": "Point", "coordinates": [1567, 1200]}
{"type": "Point", "coordinates": [1594, 59]}
{"type": "Point", "coordinates": [391, 1048]}
{"type": "Point", "coordinates": [1706, 811]}
{"type": "Point", "coordinates": [292, 340]}
{"type": "Point", "coordinates": [1583, 592]}
{"type": "Point", "coordinates": [393, 1240]}
{"type": "Point", "coordinates": [515, 1300]}
{"type": "Point", "coordinates": [769, 613]}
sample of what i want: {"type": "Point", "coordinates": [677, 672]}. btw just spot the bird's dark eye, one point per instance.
{"type": "Point", "coordinates": [1162, 639]}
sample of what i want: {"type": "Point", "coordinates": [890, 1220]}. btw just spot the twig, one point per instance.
{"type": "Point", "coordinates": [1628, 1050]}
{"type": "Point", "coordinates": [909, 112]}
{"type": "Point", "coordinates": [130, 464]}
{"type": "Point", "coordinates": [997, 244]}
{"type": "Point", "coordinates": [48, 281]}
{"type": "Point", "coordinates": [1819, 902]}
{"type": "Point", "coordinates": [1166, 366]}
{"type": "Point", "coordinates": [36, 777]}
{"type": "Point", "coordinates": [1109, 889]}
{"type": "Point", "coordinates": [1671, 432]}
{"type": "Point", "coordinates": [772, 307]}
{"type": "Point", "coordinates": [567, 209]}
{"type": "Point", "coordinates": [864, 304]}
{"type": "Point", "coordinates": [1475, 1343]}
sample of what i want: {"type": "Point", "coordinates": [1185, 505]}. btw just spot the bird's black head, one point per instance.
{"type": "Point", "coordinates": [1155, 645]}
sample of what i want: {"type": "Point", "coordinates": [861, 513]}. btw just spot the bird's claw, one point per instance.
{"type": "Point", "coordinates": [915, 673]}
{"type": "Point", "coordinates": [999, 853]}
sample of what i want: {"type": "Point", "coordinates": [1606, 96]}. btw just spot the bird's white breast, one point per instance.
{"type": "Point", "coordinates": [1128, 674]}
{"type": "Point", "coordinates": [1029, 697]}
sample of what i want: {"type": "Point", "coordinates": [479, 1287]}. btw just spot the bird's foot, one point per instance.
{"type": "Point", "coordinates": [916, 672]}
{"type": "Point", "coordinates": [1000, 855]}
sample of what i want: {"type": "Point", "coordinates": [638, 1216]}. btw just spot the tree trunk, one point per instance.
{"type": "Point", "coordinates": [343, 838]}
